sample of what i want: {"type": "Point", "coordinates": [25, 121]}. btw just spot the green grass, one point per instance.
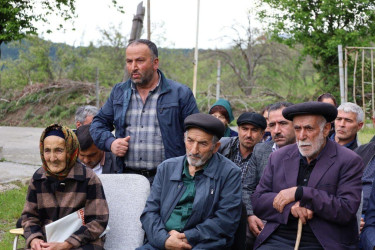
{"type": "Point", "coordinates": [365, 135]}
{"type": "Point", "coordinates": [11, 205]}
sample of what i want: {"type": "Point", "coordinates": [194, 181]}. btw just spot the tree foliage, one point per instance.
{"type": "Point", "coordinates": [18, 17]}
{"type": "Point", "coordinates": [320, 26]}
{"type": "Point", "coordinates": [36, 64]}
{"type": "Point", "coordinates": [257, 70]}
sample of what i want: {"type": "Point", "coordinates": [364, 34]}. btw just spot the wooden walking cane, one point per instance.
{"type": "Point", "coordinates": [299, 234]}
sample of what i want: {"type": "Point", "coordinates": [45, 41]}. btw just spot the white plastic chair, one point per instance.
{"type": "Point", "coordinates": [126, 196]}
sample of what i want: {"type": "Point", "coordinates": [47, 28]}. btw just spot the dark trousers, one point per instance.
{"type": "Point", "coordinates": [239, 242]}
{"type": "Point", "coordinates": [275, 242]}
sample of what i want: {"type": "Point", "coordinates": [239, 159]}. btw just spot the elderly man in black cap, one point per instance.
{"type": "Point", "coordinates": [195, 199]}
{"type": "Point", "coordinates": [282, 133]}
{"type": "Point", "coordinates": [315, 182]}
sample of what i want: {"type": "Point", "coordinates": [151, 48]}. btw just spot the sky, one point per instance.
{"type": "Point", "coordinates": [173, 22]}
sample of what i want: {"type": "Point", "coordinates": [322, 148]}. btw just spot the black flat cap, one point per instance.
{"type": "Point", "coordinates": [206, 122]}
{"type": "Point", "coordinates": [328, 111]}
{"type": "Point", "coordinates": [252, 118]}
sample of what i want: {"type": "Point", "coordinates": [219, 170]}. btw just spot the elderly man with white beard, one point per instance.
{"type": "Point", "coordinates": [316, 181]}
{"type": "Point", "coordinates": [195, 200]}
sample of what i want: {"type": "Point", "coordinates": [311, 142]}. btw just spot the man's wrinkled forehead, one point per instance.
{"type": "Point", "coordinates": [308, 119]}
{"type": "Point", "coordinates": [199, 131]}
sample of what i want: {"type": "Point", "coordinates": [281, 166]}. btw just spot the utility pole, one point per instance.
{"type": "Point", "coordinates": [341, 74]}
{"type": "Point", "coordinates": [148, 20]}
{"type": "Point", "coordinates": [196, 55]}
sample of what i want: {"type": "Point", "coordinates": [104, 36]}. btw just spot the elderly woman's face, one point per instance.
{"type": "Point", "coordinates": [221, 117]}
{"type": "Point", "coordinates": [55, 153]}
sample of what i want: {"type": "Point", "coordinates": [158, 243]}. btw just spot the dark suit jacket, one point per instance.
{"type": "Point", "coordinates": [368, 232]}
{"type": "Point", "coordinates": [110, 166]}
{"type": "Point", "coordinates": [367, 152]}
{"type": "Point", "coordinates": [333, 193]}
{"type": "Point", "coordinates": [258, 162]}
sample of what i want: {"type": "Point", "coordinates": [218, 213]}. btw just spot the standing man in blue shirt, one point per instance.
{"type": "Point", "coordinates": [147, 112]}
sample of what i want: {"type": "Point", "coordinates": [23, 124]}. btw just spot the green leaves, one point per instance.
{"type": "Point", "coordinates": [320, 26]}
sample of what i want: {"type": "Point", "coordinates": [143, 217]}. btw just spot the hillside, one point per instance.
{"type": "Point", "coordinates": [40, 105]}
{"type": "Point", "coordinates": [42, 82]}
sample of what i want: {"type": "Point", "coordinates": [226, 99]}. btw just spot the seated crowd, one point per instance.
{"type": "Point", "coordinates": [294, 171]}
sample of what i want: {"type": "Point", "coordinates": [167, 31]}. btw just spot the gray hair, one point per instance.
{"type": "Point", "coordinates": [322, 123]}
{"type": "Point", "coordinates": [354, 108]}
{"type": "Point", "coordinates": [83, 111]}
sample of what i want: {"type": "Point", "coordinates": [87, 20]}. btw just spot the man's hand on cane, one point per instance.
{"type": "Point", "coordinates": [283, 198]}
{"type": "Point", "coordinates": [301, 212]}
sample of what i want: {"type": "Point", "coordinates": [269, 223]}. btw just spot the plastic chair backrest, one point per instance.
{"type": "Point", "coordinates": [126, 196]}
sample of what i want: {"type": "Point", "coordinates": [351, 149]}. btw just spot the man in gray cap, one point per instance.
{"type": "Point", "coordinates": [315, 181]}
{"type": "Point", "coordinates": [238, 149]}
{"type": "Point", "coordinates": [195, 199]}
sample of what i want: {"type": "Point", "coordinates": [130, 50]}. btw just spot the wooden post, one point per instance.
{"type": "Point", "coordinates": [137, 23]}
{"type": "Point", "coordinates": [135, 31]}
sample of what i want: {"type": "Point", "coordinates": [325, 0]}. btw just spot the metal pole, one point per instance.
{"type": "Point", "coordinates": [346, 75]}
{"type": "Point", "coordinates": [354, 73]}
{"type": "Point", "coordinates": [341, 73]}
{"type": "Point", "coordinates": [363, 81]}
{"type": "Point", "coordinates": [148, 21]}
{"type": "Point", "coordinates": [97, 87]}
{"type": "Point", "coordinates": [218, 80]}
{"type": "Point", "coordinates": [196, 54]}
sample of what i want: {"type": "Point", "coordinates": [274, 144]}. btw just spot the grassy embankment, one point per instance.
{"type": "Point", "coordinates": [11, 205]}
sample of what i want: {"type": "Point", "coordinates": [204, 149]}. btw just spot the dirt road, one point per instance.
{"type": "Point", "coordinates": [19, 152]}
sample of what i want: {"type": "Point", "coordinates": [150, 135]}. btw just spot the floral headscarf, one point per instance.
{"type": "Point", "coordinates": [71, 146]}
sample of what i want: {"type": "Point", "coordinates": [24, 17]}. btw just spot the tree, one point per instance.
{"type": "Point", "coordinates": [34, 63]}
{"type": "Point", "coordinates": [245, 56]}
{"type": "Point", "coordinates": [18, 17]}
{"type": "Point", "coordinates": [320, 26]}
{"type": "Point", "coordinates": [263, 71]}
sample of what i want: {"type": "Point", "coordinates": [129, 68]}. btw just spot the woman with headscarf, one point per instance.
{"type": "Point", "coordinates": [223, 111]}
{"type": "Point", "coordinates": [60, 187]}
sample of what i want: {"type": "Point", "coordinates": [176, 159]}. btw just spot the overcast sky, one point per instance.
{"type": "Point", "coordinates": [175, 20]}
